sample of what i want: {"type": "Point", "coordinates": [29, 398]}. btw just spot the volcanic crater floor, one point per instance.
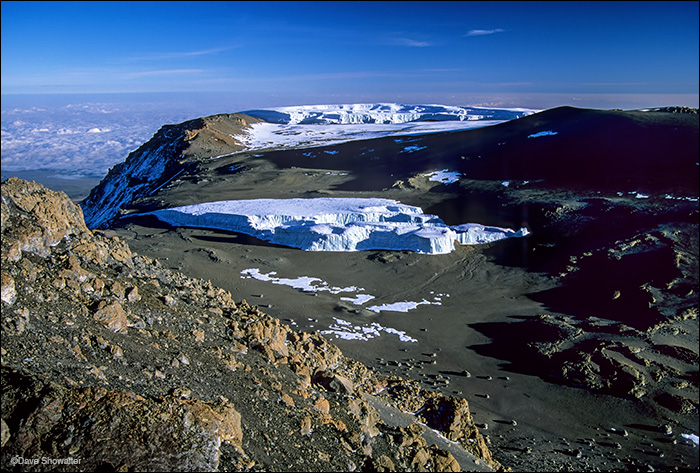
{"type": "Point", "coordinates": [550, 389]}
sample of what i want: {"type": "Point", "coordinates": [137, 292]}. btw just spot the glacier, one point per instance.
{"type": "Point", "coordinates": [383, 113]}
{"type": "Point", "coordinates": [307, 126]}
{"type": "Point", "coordinates": [267, 136]}
{"type": "Point", "coordinates": [335, 224]}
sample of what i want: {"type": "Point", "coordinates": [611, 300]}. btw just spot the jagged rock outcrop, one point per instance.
{"type": "Point", "coordinates": [173, 150]}
{"type": "Point", "coordinates": [41, 219]}
{"type": "Point", "coordinates": [112, 362]}
{"type": "Point", "coordinates": [168, 433]}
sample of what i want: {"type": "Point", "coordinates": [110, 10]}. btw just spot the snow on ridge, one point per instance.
{"type": "Point", "coordinates": [382, 113]}
{"type": "Point", "coordinates": [543, 133]}
{"type": "Point", "coordinates": [264, 136]}
{"type": "Point", "coordinates": [309, 126]}
{"type": "Point", "coordinates": [445, 176]}
{"type": "Point", "coordinates": [144, 168]}
{"type": "Point", "coordinates": [335, 224]}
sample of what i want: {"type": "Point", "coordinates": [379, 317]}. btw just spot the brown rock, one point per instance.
{"type": "Point", "coordinates": [117, 290]}
{"type": "Point", "coordinates": [35, 218]}
{"type": "Point", "coordinates": [74, 271]}
{"type": "Point", "coordinates": [451, 416]}
{"type": "Point", "coordinates": [116, 351]}
{"type": "Point", "coordinates": [198, 335]}
{"type": "Point", "coordinates": [230, 429]}
{"type": "Point", "coordinates": [269, 336]}
{"type": "Point", "coordinates": [421, 459]}
{"type": "Point", "coordinates": [133, 295]}
{"type": "Point", "coordinates": [411, 435]}
{"type": "Point", "coordinates": [287, 399]}
{"type": "Point", "coordinates": [121, 429]}
{"type": "Point", "coordinates": [4, 433]}
{"type": "Point", "coordinates": [443, 460]}
{"type": "Point", "coordinates": [334, 382]}
{"type": "Point", "coordinates": [306, 426]}
{"type": "Point", "coordinates": [112, 316]}
{"type": "Point", "coordinates": [322, 405]}
{"type": "Point", "coordinates": [383, 463]}
{"type": "Point", "coordinates": [9, 294]}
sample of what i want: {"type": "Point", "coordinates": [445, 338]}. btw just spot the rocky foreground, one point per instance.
{"type": "Point", "coordinates": [111, 362]}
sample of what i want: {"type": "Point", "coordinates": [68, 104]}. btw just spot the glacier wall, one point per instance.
{"type": "Point", "coordinates": [335, 224]}
{"type": "Point", "coordinates": [382, 113]}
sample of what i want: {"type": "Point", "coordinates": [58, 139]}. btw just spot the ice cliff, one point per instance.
{"type": "Point", "coordinates": [335, 224]}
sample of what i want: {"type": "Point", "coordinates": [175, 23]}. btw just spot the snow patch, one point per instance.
{"type": "Point", "coordinates": [445, 176]}
{"type": "Point", "coordinates": [303, 283]}
{"type": "Point", "coordinates": [312, 284]}
{"type": "Point", "coordinates": [347, 331]}
{"type": "Point", "coordinates": [543, 133]}
{"type": "Point", "coordinates": [358, 299]}
{"type": "Point", "coordinates": [692, 437]}
{"type": "Point", "coordinates": [412, 149]}
{"type": "Point", "coordinates": [689, 199]}
{"type": "Point", "coordinates": [404, 306]}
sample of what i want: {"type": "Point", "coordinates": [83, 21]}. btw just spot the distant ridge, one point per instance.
{"type": "Point", "coordinates": [171, 151]}
{"type": "Point", "coordinates": [689, 110]}
{"type": "Point", "coordinates": [615, 151]}
{"type": "Point", "coordinates": [383, 113]}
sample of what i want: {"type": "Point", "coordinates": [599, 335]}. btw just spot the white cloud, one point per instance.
{"type": "Point", "coordinates": [80, 138]}
{"type": "Point", "coordinates": [163, 72]}
{"type": "Point", "coordinates": [180, 54]}
{"type": "Point", "coordinates": [484, 32]}
{"type": "Point", "coordinates": [411, 43]}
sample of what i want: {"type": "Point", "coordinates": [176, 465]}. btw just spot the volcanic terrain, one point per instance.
{"type": "Point", "coordinates": [575, 344]}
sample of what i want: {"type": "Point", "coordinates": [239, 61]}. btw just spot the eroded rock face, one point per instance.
{"type": "Point", "coordinates": [173, 150]}
{"type": "Point", "coordinates": [118, 428]}
{"type": "Point", "coordinates": [34, 219]}
{"type": "Point", "coordinates": [111, 360]}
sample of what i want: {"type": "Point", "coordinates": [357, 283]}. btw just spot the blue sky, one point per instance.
{"type": "Point", "coordinates": [533, 54]}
